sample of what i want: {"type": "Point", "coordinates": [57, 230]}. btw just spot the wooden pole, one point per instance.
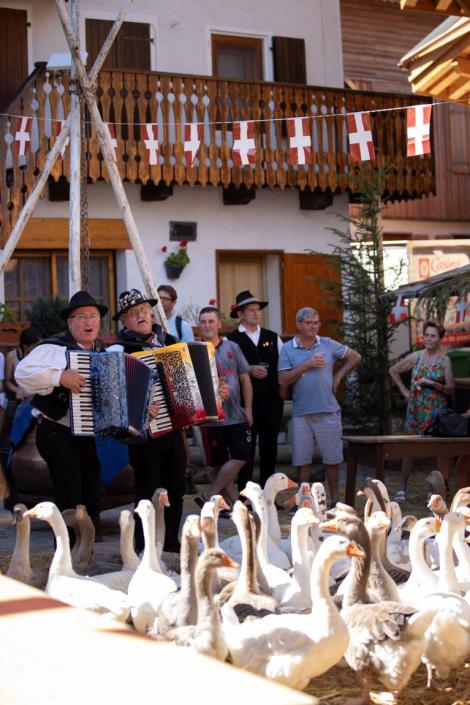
{"type": "Point", "coordinates": [51, 159]}
{"type": "Point", "coordinates": [108, 155]}
{"type": "Point", "coordinates": [75, 276]}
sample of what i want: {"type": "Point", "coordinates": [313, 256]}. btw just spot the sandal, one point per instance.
{"type": "Point", "coordinates": [400, 497]}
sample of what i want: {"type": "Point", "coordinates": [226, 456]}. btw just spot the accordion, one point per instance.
{"type": "Point", "coordinates": [115, 399]}
{"type": "Point", "coordinates": [186, 385]}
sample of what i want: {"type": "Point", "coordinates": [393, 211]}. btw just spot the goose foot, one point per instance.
{"type": "Point", "coordinates": [364, 699]}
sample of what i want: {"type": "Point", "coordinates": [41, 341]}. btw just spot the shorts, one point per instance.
{"type": "Point", "coordinates": [222, 443]}
{"type": "Point", "coordinates": [321, 430]}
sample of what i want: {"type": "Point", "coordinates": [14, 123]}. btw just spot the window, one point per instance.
{"type": "Point", "coordinates": [30, 275]}
{"type": "Point", "coordinates": [130, 49]}
{"type": "Point", "coordinates": [237, 57]}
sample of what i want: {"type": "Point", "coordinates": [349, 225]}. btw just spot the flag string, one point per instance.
{"type": "Point", "coordinates": [117, 123]}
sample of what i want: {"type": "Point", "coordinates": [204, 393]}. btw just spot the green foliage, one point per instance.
{"type": "Point", "coordinates": [7, 315]}
{"type": "Point", "coordinates": [433, 302]}
{"type": "Point", "coordinates": [180, 257]}
{"type": "Point", "coordinates": [365, 327]}
{"type": "Point", "coordinates": [45, 315]}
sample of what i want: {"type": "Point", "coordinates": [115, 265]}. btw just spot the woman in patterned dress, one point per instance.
{"type": "Point", "coordinates": [431, 382]}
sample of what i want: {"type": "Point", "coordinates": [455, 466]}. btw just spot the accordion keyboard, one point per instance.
{"type": "Point", "coordinates": [81, 407]}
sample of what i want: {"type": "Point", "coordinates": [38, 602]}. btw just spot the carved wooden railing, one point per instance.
{"type": "Point", "coordinates": [127, 99]}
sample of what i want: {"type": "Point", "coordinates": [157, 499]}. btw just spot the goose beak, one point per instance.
{"type": "Point", "coordinates": [164, 501]}
{"type": "Point", "coordinates": [330, 525]}
{"type": "Point", "coordinates": [30, 513]}
{"type": "Point", "coordinates": [243, 494]}
{"type": "Point", "coordinates": [223, 504]}
{"type": "Point", "coordinates": [437, 524]}
{"type": "Point", "coordinates": [360, 493]}
{"type": "Point", "coordinates": [80, 512]}
{"type": "Point", "coordinates": [229, 563]}
{"type": "Point", "coordinates": [465, 511]}
{"type": "Point", "coordinates": [306, 503]}
{"type": "Point", "coordinates": [17, 516]}
{"type": "Point", "coordinates": [291, 483]}
{"type": "Point", "coordinates": [289, 502]}
{"type": "Point", "coordinates": [353, 551]}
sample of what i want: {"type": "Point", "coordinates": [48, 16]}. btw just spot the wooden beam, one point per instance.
{"type": "Point", "coordinates": [460, 89]}
{"type": "Point", "coordinates": [443, 5]}
{"type": "Point", "coordinates": [52, 234]}
{"type": "Point", "coordinates": [463, 67]}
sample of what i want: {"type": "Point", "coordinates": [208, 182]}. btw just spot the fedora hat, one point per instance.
{"type": "Point", "coordinates": [243, 299]}
{"type": "Point", "coordinates": [129, 299]}
{"type": "Point", "coordinates": [79, 299]}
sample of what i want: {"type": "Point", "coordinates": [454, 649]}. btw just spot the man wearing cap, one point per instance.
{"type": "Point", "coordinates": [73, 464]}
{"type": "Point", "coordinates": [159, 462]}
{"type": "Point", "coordinates": [261, 347]}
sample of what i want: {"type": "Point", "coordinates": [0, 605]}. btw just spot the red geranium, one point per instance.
{"type": "Point", "coordinates": [212, 302]}
{"type": "Point", "coordinates": [183, 243]}
{"type": "Point", "coordinates": [164, 248]}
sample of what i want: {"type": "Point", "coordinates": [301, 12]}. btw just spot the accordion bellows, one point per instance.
{"type": "Point", "coordinates": [187, 387]}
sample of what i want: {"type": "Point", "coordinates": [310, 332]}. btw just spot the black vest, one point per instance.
{"type": "Point", "coordinates": [56, 404]}
{"type": "Point", "coordinates": [265, 351]}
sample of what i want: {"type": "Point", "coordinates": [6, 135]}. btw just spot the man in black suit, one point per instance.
{"type": "Point", "coordinates": [261, 348]}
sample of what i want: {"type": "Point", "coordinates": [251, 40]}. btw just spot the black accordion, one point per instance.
{"type": "Point", "coordinates": [115, 399]}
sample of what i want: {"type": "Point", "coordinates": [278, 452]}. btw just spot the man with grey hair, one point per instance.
{"type": "Point", "coordinates": [306, 363]}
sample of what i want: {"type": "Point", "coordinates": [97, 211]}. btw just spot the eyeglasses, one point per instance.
{"type": "Point", "coordinates": [165, 298]}
{"type": "Point", "coordinates": [83, 317]}
{"type": "Point", "coordinates": [137, 311]}
{"type": "Point", "coordinates": [310, 323]}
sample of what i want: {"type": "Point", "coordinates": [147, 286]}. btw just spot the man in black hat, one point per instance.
{"type": "Point", "coordinates": [73, 464]}
{"type": "Point", "coordinates": [261, 348]}
{"type": "Point", "coordinates": [160, 462]}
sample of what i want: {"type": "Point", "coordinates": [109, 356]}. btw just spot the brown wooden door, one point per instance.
{"type": "Point", "coordinates": [238, 272]}
{"type": "Point", "coordinates": [299, 290]}
{"type": "Point", "coordinates": [13, 53]}
{"type": "Point", "coordinates": [130, 49]}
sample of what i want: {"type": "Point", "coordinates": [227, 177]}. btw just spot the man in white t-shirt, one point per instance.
{"type": "Point", "coordinates": [178, 328]}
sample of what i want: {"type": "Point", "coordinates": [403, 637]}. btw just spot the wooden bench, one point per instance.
{"type": "Point", "coordinates": [375, 450]}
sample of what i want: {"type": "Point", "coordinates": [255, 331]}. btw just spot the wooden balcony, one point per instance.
{"type": "Point", "coordinates": [128, 99]}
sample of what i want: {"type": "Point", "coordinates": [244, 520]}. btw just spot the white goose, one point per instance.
{"type": "Point", "coordinates": [297, 596]}
{"type": "Point", "coordinates": [205, 637]}
{"type": "Point", "coordinates": [397, 547]}
{"type": "Point", "coordinates": [80, 521]}
{"type": "Point", "coordinates": [422, 580]}
{"type": "Point", "coordinates": [148, 585]}
{"type": "Point", "coordinates": [130, 559]}
{"type": "Point", "coordinates": [273, 580]}
{"type": "Point", "coordinates": [64, 584]}
{"type": "Point", "coordinates": [293, 648]}
{"type": "Point", "coordinates": [232, 545]}
{"type": "Point", "coordinates": [180, 608]}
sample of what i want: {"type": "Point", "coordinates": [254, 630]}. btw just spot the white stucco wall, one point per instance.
{"type": "Point", "coordinates": [273, 221]}
{"type": "Point", "coordinates": [181, 30]}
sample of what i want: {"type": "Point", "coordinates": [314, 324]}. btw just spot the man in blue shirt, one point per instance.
{"type": "Point", "coordinates": [177, 327]}
{"type": "Point", "coordinates": [306, 363]}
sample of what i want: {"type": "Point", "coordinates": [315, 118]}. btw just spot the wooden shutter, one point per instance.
{"type": "Point", "coordinates": [130, 49]}
{"type": "Point", "coordinates": [289, 60]}
{"type": "Point", "coordinates": [13, 53]}
{"type": "Point", "coordinates": [458, 139]}
{"type": "Point", "coordinates": [299, 290]}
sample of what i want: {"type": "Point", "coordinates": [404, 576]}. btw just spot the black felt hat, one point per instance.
{"type": "Point", "coordinates": [243, 299]}
{"type": "Point", "coordinates": [129, 299]}
{"type": "Point", "coordinates": [79, 299]}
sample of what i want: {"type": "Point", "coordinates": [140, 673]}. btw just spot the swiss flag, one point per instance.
{"type": "Point", "coordinates": [461, 309]}
{"type": "Point", "coordinates": [149, 133]}
{"type": "Point", "coordinates": [399, 311]}
{"type": "Point", "coordinates": [298, 130]}
{"type": "Point", "coordinates": [244, 147]}
{"type": "Point", "coordinates": [109, 128]}
{"type": "Point", "coordinates": [418, 128]}
{"type": "Point", "coordinates": [23, 136]}
{"type": "Point", "coordinates": [192, 141]}
{"type": "Point", "coordinates": [361, 145]}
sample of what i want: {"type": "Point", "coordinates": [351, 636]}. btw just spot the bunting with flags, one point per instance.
{"type": "Point", "coordinates": [461, 307]}
{"type": "Point", "coordinates": [298, 131]}
{"type": "Point", "coordinates": [23, 136]}
{"type": "Point", "coordinates": [418, 128]}
{"type": "Point", "coordinates": [149, 133]}
{"type": "Point", "coordinates": [361, 144]}
{"type": "Point", "coordinates": [192, 141]}
{"type": "Point", "coordinates": [110, 130]}
{"type": "Point", "coordinates": [58, 130]}
{"type": "Point", "coordinates": [244, 147]}
{"type": "Point", "coordinates": [399, 311]}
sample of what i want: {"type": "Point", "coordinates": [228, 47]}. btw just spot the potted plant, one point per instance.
{"type": "Point", "coordinates": [176, 261]}
{"type": "Point", "coordinates": [10, 326]}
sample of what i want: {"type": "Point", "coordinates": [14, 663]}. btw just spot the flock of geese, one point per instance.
{"type": "Point", "coordinates": [384, 593]}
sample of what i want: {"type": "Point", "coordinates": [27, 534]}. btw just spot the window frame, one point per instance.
{"type": "Point", "coordinates": [257, 43]}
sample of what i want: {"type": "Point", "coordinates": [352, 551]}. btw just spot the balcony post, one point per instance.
{"type": "Point", "coordinates": [75, 277]}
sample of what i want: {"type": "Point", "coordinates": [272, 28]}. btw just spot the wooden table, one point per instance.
{"type": "Point", "coordinates": [375, 450]}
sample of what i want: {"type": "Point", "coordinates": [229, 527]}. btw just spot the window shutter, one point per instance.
{"type": "Point", "coordinates": [289, 60]}
{"type": "Point", "coordinates": [13, 53]}
{"type": "Point", "coordinates": [130, 49]}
